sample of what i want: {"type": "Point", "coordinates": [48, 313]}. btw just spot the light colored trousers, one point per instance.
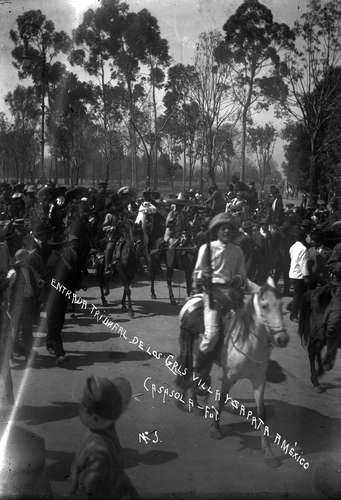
{"type": "Point", "coordinates": [224, 299]}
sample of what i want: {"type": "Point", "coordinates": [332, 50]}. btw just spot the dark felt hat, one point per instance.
{"type": "Point", "coordinates": [103, 401]}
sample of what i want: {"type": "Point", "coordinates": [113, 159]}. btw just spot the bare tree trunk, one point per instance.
{"type": "Point", "coordinates": [42, 151]}
{"type": "Point", "coordinates": [243, 146]}
{"type": "Point", "coordinates": [184, 170]}
{"type": "Point", "coordinates": [202, 172]}
{"type": "Point", "coordinates": [313, 173]}
{"type": "Point", "coordinates": [156, 174]}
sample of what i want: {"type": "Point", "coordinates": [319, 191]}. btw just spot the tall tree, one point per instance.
{"type": "Point", "coordinates": [152, 51]}
{"type": "Point", "coordinates": [183, 113]}
{"type": "Point", "coordinates": [297, 153]}
{"type": "Point", "coordinates": [212, 93]}
{"type": "Point", "coordinates": [311, 76]}
{"type": "Point", "coordinates": [98, 42]}
{"type": "Point", "coordinates": [70, 123]}
{"type": "Point", "coordinates": [262, 142]}
{"type": "Point", "coordinates": [225, 150]}
{"type": "Point", "coordinates": [252, 47]}
{"type": "Point", "coordinates": [116, 43]}
{"type": "Point", "coordinates": [24, 109]}
{"type": "Point", "coordinates": [37, 44]}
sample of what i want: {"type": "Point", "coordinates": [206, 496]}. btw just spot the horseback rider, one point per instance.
{"type": "Point", "coordinates": [146, 208]}
{"type": "Point", "coordinates": [176, 223]}
{"type": "Point", "coordinates": [118, 226]}
{"type": "Point", "coordinates": [99, 201]}
{"type": "Point", "coordinates": [110, 229]}
{"type": "Point", "coordinates": [318, 255]}
{"type": "Point", "coordinates": [219, 262]}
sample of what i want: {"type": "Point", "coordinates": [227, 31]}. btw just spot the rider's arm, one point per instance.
{"type": "Point", "coordinates": [201, 270]}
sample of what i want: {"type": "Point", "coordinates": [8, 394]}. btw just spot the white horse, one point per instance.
{"type": "Point", "coordinates": [244, 354]}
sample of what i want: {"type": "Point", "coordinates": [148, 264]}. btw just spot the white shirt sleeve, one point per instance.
{"type": "Point", "coordinates": [201, 266]}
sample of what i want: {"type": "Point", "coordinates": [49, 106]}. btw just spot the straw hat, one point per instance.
{"type": "Point", "coordinates": [103, 401]}
{"type": "Point", "coordinates": [223, 218]}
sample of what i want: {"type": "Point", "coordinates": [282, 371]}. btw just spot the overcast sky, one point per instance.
{"type": "Point", "coordinates": [180, 21]}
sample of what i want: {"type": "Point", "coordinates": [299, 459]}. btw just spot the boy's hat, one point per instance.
{"type": "Point", "coordinates": [222, 218]}
{"type": "Point", "coordinates": [103, 401]}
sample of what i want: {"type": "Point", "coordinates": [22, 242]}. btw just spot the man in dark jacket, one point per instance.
{"type": "Point", "coordinates": [69, 273]}
{"type": "Point", "coordinates": [215, 200]}
{"type": "Point", "coordinates": [276, 210]}
{"type": "Point", "coordinates": [23, 302]}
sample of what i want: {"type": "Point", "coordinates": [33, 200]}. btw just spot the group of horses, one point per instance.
{"type": "Point", "coordinates": [143, 247]}
{"type": "Point", "coordinates": [248, 334]}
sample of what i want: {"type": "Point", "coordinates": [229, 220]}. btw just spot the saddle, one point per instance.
{"type": "Point", "coordinates": [194, 305]}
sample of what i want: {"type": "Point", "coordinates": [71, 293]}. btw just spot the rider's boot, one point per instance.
{"type": "Point", "coordinates": [203, 368]}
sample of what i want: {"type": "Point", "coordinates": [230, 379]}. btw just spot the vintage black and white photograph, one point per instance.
{"type": "Point", "coordinates": [170, 249]}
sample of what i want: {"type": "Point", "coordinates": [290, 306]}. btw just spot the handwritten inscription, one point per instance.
{"type": "Point", "coordinates": [148, 437]}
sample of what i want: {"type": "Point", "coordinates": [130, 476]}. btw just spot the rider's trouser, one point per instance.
{"type": "Point", "coordinates": [223, 299]}
{"type": "Point", "coordinates": [333, 326]}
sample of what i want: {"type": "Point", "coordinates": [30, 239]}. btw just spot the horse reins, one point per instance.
{"type": "Point", "coordinates": [267, 329]}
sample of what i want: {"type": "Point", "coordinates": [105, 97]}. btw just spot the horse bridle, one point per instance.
{"type": "Point", "coordinates": [269, 332]}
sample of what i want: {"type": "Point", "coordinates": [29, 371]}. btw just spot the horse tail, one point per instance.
{"type": "Point", "coordinates": [304, 325]}
{"type": "Point", "coordinates": [185, 358]}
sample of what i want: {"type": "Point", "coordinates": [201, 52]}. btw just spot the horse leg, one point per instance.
{"type": "Point", "coordinates": [319, 359]}
{"type": "Point", "coordinates": [215, 430]}
{"type": "Point", "coordinates": [152, 278]}
{"type": "Point", "coordinates": [258, 391]}
{"type": "Point", "coordinates": [188, 281]}
{"type": "Point", "coordinates": [100, 274]}
{"type": "Point", "coordinates": [312, 354]}
{"type": "Point", "coordinates": [130, 307]}
{"type": "Point", "coordinates": [169, 276]}
{"type": "Point", "coordinates": [123, 302]}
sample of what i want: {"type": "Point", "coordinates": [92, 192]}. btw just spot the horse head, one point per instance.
{"type": "Point", "coordinates": [269, 313]}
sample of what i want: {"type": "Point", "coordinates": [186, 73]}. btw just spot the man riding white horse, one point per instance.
{"type": "Point", "coordinates": [218, 263]}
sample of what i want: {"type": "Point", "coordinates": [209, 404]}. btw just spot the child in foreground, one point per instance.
{"type": "Point", "coordinates": [98, 471]}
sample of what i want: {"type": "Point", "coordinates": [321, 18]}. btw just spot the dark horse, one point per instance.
{"type": "Point", "coordinates": [182, 257]}
{"type": "Point", "coordinates": [244, 351]}
{"type": "Point", "coordinates": [311, 328]}
{"type": "Point", "coordinates": [125, 264]}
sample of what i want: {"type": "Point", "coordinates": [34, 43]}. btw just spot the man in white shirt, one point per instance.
{"type": "Point", "coordinates": [298, 272]}
{"type": "Point", "coordinates": [218, 263]}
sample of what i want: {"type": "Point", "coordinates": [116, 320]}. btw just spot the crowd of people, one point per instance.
{"type": "Point", "coordinates": [40, 225]}
{"type": "Point", "coordinates": [48, 232]}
